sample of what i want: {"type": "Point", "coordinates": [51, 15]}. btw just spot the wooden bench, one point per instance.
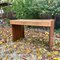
{"type": "Point", "coordinates": [18, 27]}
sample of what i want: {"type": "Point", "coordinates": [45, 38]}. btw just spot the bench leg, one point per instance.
{"type": "Point", "coordinates": [51, 35]}
{"type": "Point", "coordinates": [17, 31]}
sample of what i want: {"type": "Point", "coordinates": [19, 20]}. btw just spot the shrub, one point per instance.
{"type": "Point", "coordinates": [23, 10]}
{"type": "Point", "coordinates": [34, 8]}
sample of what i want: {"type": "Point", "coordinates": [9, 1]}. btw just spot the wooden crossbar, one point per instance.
{"type": "Point", "coordinates": [18, 27]}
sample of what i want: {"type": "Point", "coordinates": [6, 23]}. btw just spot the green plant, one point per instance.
{"type": "Point", "coordinates": [47, 7]}
{"type": "Point", "coordinates": [57, 31]}
{"type": "Point", "coordinates": [22, 8]}
{"type": "Point", "coordinates": [34, 8]}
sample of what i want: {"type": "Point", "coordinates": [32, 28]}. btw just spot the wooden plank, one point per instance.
{"type": "Point", "coordinates": [36, 22]}
{"type": "Point", "coordinates": [51, 35]}
{"type": "Point", "coordinates": [17, 32]}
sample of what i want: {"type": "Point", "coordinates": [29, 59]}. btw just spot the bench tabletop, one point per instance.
{"type": "Point", "coordinates": [32, 22]}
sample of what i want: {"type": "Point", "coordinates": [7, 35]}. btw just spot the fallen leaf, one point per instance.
{"type": "Point", "coordinates": [56, 58]}
{"type": "Point", "coordinates": [14, 46]}
{"type": "Point", "coordinates": [55, 52]}
{"type": "Point", "coordinates": [1, 43]}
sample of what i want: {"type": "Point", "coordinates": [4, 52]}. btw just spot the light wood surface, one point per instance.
{"type": "Point", "coordinates": [33, 22]}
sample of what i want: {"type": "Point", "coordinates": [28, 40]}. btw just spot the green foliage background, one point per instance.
{"type": "Point", "coordinates": [23, 9]}
{"type": "Point", "coordinates": [33, 8]}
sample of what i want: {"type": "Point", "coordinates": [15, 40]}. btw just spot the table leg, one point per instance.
{"type": "Point", "coordinates": [17, 31]}
{"type": "Point", "coordinates": [51, 35]}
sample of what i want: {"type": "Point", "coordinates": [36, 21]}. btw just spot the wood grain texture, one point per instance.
{"type": "Point", "coordinates": [51, 35]}
{"type": "Point", "coordinates": [17, 32]}
{"type": "Point", "coordinates": [33, 22]}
